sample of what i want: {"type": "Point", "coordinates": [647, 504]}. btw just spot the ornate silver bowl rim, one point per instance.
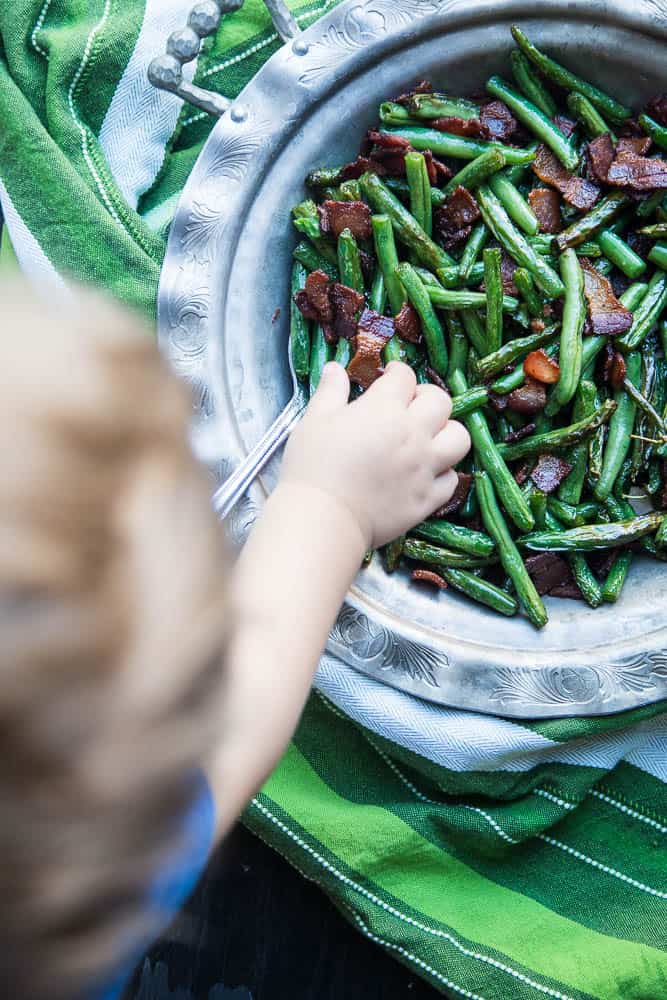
{"type": "Point", "coordinates": [544, 679]}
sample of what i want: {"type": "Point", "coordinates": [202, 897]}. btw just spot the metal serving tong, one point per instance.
{"type": "Point", "coordinates": [166, 73]}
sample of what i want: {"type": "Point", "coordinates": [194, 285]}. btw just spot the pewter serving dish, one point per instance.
{"type": "Point", "coordinates": [227, 271]}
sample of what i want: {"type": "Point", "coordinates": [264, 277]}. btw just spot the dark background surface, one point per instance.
{"type": "Point", "coordinates": [256, 930]}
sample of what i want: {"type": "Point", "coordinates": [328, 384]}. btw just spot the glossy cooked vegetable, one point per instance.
{"type": "Point", "coordinates": [513, 250]}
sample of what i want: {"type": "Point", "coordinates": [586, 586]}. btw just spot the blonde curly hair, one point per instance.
{"type": "Point", "coordinates": [112, 606]}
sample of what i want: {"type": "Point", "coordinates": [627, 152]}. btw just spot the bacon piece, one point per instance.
{"type": "Point", "coordinates": [576, 191]}
{"type": "Point", "coordinates": [565, 125]}
{"type": "Point", "coordinates": [335, 216]}
{"type": "Point", "coordinates": [304, 305]}
{"type": "Point", "coordinates": [454, 220]}
{"type": "Point", "coordinates": [537, 325]}
{"type": "Point", "coordinates": [314, 303]}
{"type": "Point", "coordinates": [609, 317]}
{"type": "Point", "coordinates": [436, 379]}
{"type": "Point", "coordinates": [471, 128]}
{"type": "Point", "coordinates": [388, 141]}
{"type": "Point", "coordinates": [639, 173]}
{"type": "Point", "coordinates": [408, 325]}
{"type": "Point", "coordinates": [600, 156]}
{"type": "Point", "coordinates": [522, 474]}
{"type": "Point", "coordinates": [640, 145]}
{"type": "Point", "coordinates": [550, 472]}
{"type": "Point", "coordinates": [567, 591]}
{"type": "Point", "coordinates": [459, 496]}
{"type": "Point", "coordinates": [657, 108]}
{"type": "Point", "coordinates": [541, 368]}
{"type": "Point", "coordinates": [497, 402]}
{"type": "Point", "coordinates": [507, 268]}
{"type": "Point", "coordinates": [618, 371]}
{"type": "Point", "coordinates": [547, 571]}
{"type": "Point", "coordinates": [362, 165]}
{"type": "Point", "coordinates": [346, 303]}
{"type": "Point", "coordinates": [545, 203]}
{"type": "Point", "coordinates": [520, 434]}
{"type": "Point", "coordinates": [529, 398]}
{"type": "Point", "coordinates": [373, 332]}
{"type": "Point", "coordinates": [497, 121]}
{"type": "Point", "coordinates": [387, 156]}
{"type": "Point", "coordinates": [424, 87]}
{"type": "Point", "coordinates": [438, 172]}
{"type": "Point", "coordinates": [428, 576]}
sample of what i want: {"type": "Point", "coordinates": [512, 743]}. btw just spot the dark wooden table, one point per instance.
{"type": "Point", "coordinates": [256, 930]}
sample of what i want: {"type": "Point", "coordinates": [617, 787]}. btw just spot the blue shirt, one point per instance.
{"type": "Point", "coordinates": [174, 885]}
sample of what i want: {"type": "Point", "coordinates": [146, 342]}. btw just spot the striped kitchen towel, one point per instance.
{"type": "Point", "coordinates": [499, 859]}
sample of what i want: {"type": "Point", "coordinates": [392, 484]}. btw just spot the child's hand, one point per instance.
{"type": "Point", "coordinates": [387, 457]}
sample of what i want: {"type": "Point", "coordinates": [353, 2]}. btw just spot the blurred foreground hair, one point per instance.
{"type": "Point", "coordinates": [111, 634]}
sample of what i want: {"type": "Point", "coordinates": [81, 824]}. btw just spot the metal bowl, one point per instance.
{"type": "Point", "coordinates": [227, 272]}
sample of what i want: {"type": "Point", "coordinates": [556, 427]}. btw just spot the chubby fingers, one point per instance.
{"type": "Point", "coordinates": [450, 446]}
{"type": "Point", "coordinates": [443, 490]}
{"type": "Point", "coordinates": [333, 390]}
{"type": "Point", "coordinates": [398, 383]}
{"type": "Point", "coordinates": [431, 407]}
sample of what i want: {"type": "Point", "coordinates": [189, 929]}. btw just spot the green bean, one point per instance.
{"type": "Point", "coordinates": [511, 351]}
{"type": "Point", "coordinates": [400, 187]}
{"type": "Point", "coordinates": [469, 400]}
{"type": "Point", "coordinates": [561, 76]}
{"type": "Point", "coordinates": [477, 171]}
{"type": "Point", "coordinates": [451, 536]}
{"type": "Point", "coordinates": [385, 251]}
{"type": "Point", "coordinates": [481, 591]}
{"type": "Point", "coordinates": [475, 332]}
{"type": "Point", "coordinates": [434, 555]}
{"type": "Point", "coordinates": [473, 248]}
{"type": "Point", "coordinates": [585, 579]}
{"type": "Point", "coordinates": [307, 255]}
{"type": "Point", "coordinates": [647, 314]}
{"type": "Point", "coordinates": [498, 221]}
{"type": "Point", "coordinates": [392, 113]}
{"type": "Point", "coordinates": [458, 344]}
{"type": "Point", "coordinates": [646, 208]}
{"type": "Point", "coordinates": [320, 353]}
{"type": "Point", "coordinates": [657, 132]}
{"type": "Point", "coordinates": [456, 147]}
{"type": "Point", "coordinates": [586, 113]}
{"type": "Point", "coordinates": [644, 404]}
{"type": "Point", "coordinates": [493, 280]}
{"type": "Point", "coordinates": [656, 232]}
{"type": "Point", "coordinates": [514, 204]}
{"type": "Point", "coordinates": [571, 343]}
{"type": "Point", "coordinates": [620, 254]}
{"type": "Point", "coordinates": [511, 560]}
{"type": "Point", "coordinates": [543, 244]}
{"type": "Point", "coordinates": [307, 220]}
{"type": "Point", "coordinates": [343, 353]}
{"type": "Point", "coordinates": [596, 446]}
{"type": "Point", "coordinates": [592, 537]}
{"type": "Point", "coordinates": [445, 298]}
{"type": "Point", "coordinates": [620, 429]}
{"type": "Point", "coordinates": [377, 299]}
{"type": "Point", "coordinates": [492, 462]}
{"type": "Point", "coordinates": [633, 295]}
{"type": "Point", "coordinates": [440, 106]}
{"type": "Point", "coordinates": [529, 82]}
{"type": "Point", "coordinates": [584, 406]}
{"type": "Point", "coordinates": [523, 280]}
{"type": "Point", "coordinates": [535, 120]}
{"type": "Point", "coordinates": [347, 191]}
{"type": "Point", "coordinates": [299, 327]}
{"type": "Point", "coordinates": [450, 277]}
{"type": "Point", "coordinates": [658, 255]}
{"type": "Point", "coordinates": [574, 515]}
{"type": "Point", "coordinates": [391, 554]}
{"type": "Point", "coordinates": [406, 228]}
{"type": "Point", "coordinates": [349, 261]}
{"type": "Point", "coordinates": [420, 190]}
{"type": "Point", "coordinates": [538, 505]}
{"type": "Point", "coordinates": [324, 177]}
{"type": "Point", "coordinates": [589, 225]}
{"type": "Point", "coordinates": [561, 438]}
{"type": "Point", "coordinates": [433, 333]}
{"type": "Point", "coordinates": [616, 577]}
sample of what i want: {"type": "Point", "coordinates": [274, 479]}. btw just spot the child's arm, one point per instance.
{"type": "Point", "coordinates": [355, 476]}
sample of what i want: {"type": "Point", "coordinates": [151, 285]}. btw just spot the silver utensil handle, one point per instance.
{"type": "Point", "coordinates": [166, 72]}
{"type": "Point", "coordinates": [231, 491]}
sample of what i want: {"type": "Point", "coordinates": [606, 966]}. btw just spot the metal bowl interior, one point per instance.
{"type": "Point", "coordinates": [308, 110]}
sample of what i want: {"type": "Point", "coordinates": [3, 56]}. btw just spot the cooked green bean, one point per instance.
{"type": "Point", "coordinates": [589, 225]}
{"type": "Point", "coordinates": [574, 515]}
{"type": "Point", "coordinates": [343, 352]}
{"type": "Point", "coordinates": [456, 147]}
{"type": "Point", "coordinates": [657, 132]}
{"type": "Point", "coordinates": [492, 462]}
{"type": "Point", "coordinates": [620, 254]}
{"type": "Point", "coordinates": [633, 295]}
{"type": "Point", "coordinates": [451, 277]}
{"type": "Point", "coordinates": [620, 429]}
{"type": "Point", "coordinates": [647, 313]}
{"type": "Point", "coordinates": [561, 76]}
{"type": "Point", "coordinates": [544, 245]}
{"type": "Point", "coordinates": [571, 488]}
{"type": "Point", "coordinates": [511, 560]}
{"type": "Point", "coordinates": [514, 204]}
{"type": "Point", "coordinates": [523, 280]}
{"type": "Point", "coordinates": [445, 298]}
{"type": "Point", "coordinates": [658, 255]}
{"type": "Point", "coordinates": [392, 554]}
{"type": "Point", "coordinates": [586, 113]}
{"type": "Point", "coordinates": [320, 353]}
{"type": "Point", "coordinates": [434, 336]}
{"type": "Point", "coordinates": [377, 299]}
{"type": "Point", "coordinates": [405, 227]}
{"type": "Point", "coordinates": [306, 219]}
{"type": "Point", "coordinates": [434, 555]}
{"type": "Point", "coordinates": [585, 579]}
{"type": "Point", "coordinates": [473, 248]}
{"type": "Point", "coordinates": [500, 224]}
{"type": "Point", "coordinates": [656, 232]}
{"type": "Point", "coordinates": [451, 536]}
{"type": "Point", "coordinates": [349, 261]}
{"type": "Point", "coordinates": [512, 350]}
{"type": "Point", "coordinates": [481, 591]}
{"type": "Point", "coordinates": [385, 250]}
{"type": "Point", "coordinates": [493, 280]}
{"type": "Point", "coordinates": [571, 342]}
{"type": "Point", "coordinates": [536, 121]}
{"type": "Point", "coordinates": [458, 344]}
{"type": "Point", "coordinates": [429, 106]}
{"type": "Point", "coordinates": [420, 191]}
{"type": "Point", "coordinates": [324, 177]}
{"type": "Point", "coordinates": [299, 327]}
{"type": "Point", "coordinates": [645, 209]}
{"type": "Point", "coordinates": [645, 404]}
{"type": "Point", "coordinates": [392, 113]}
{"type": "Point", "coordinates": [477, 171]}
{"type": "Point", "coordinates": [475, 332]}
{"type": "Point", "coordinates": [531, 85]}
{"type": "Point", "coordinates": [307, 255]}
{"type": "Point", "coordinates": [538, 505]}
{"type": "Point", "coordinates": [561, 438]}
{"type": "Point", "coordinates": [469, 400]}
{"type": "Point", "coordinates": [594, 536]}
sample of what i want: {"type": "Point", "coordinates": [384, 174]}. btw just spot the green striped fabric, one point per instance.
{"type": "Point", "coordinates": [499, 860]}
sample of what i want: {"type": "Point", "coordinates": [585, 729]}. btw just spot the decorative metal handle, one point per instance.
{"type": "Point", "coordinates": [231, 491]}
{"type": "Point", "coordinates": [166, 72]}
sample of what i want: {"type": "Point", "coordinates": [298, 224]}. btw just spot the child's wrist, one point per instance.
{"type": "Point", "coordinates": [330, 514]}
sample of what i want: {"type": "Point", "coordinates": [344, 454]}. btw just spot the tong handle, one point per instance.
{"type": "Point", "coordinates": [166, 72]}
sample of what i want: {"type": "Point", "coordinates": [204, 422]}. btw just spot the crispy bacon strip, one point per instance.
{"type": "Point", "coordinates": [470, 128]}
{"type": "Point", "coordinates": [548, 570]}
{"type": "Point", "coordinates": [550, 472]}
{"type": "Point", "coordinates": [497, 121]}
{"type": "Point", "coordinates": [540, 367]}
{"type": "Point", "coordinates": [373, 332]}
{"type": "Point", "coordinates": [566, 125]}
{"type": "Point", "coordinates": [608, 316]}
{"type": "Point", "coordinates": [424, 87]}
{"type": "Point", "coordinates": [428, 576]}
{"type": "Point", "coordinates": [454, 220]}
{"type": "Point", "coordinates": [408, 325]}
{"type": "Point", "coordinates": [346, 303]}
{"type": "Point", "coordinates": [529, 398]}
{"type": "Point", "coordinates": [335, 216]}
{"type": "Point", "coordinates": [362, 165]}
{"type": "Point", "coordinates": [545, 203]}
{"type": "Point", "coordinates": [520, 433]}
{"type": "Point", "coordinates": [640, 145]}
{"type": "Point", "coordinates": [576, 191]}
{"type": "Point", "coordinates": [459, 496]}
{"type": "Point", "coordinates": [618, 370]}
{"type": "Point", "coordinates": [600, 155]}
{"type": "Point", "coordinates": [639, 173]}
